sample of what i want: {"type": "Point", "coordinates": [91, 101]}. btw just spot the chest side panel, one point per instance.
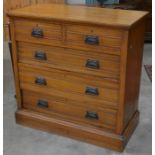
{"type": "Point", "coordinates": [133, 73]}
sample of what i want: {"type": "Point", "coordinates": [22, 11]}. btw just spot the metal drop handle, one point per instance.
{"type": "Point", "coordinates": [92, 40]}
{"type": "Point", "coordinates": [92, 115]}
{"type": "Point", "coordinates": [92, 91]}
{"type": "Point", "coordinates": [94, 64]}
{"type": "Point", "coordinates": [39, 55]}
{"type": "Point", "coordinates": [40, 81]}
{"type": "Point", "coordinates": [37, 33]}
{"type": "Point", "coordinates": [42, 104]}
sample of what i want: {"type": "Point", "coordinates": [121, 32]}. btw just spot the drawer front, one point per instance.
{"type": "Point", "coordinates": [94, 38]}
{"type": "Point", "coordinates": [54, 105]}
{"type": "Point", "coordinates": [73, 86]}
{"type": "Point", "coordinates": [68, 59]}
{"type": "Point", "coordinates": [37, 32]}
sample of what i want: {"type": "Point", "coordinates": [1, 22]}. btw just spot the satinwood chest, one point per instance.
{"type": "Point", "coordinates": [77, 71]}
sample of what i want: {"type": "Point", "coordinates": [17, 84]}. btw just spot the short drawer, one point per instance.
{"type": "Point", "coordinates": [101, 39]}
{"type": "Point", "coordinates": [38, 31]}
{"type": "Point", "coordinates": [50, 105]}
{"type": "Point", "coordinates": [71, 85]}
{"type": "Point", "coordinates": [72, 60]}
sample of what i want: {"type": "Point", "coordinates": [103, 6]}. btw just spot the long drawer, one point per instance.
{"type": "Point", "coordinates": [95, 91]}
{"type": "Point", "coordinates": [73, 60]}
{"type": "Point", "coordinates": [50, 105]}
{"type": "Point", "coordinates": [38, 31]}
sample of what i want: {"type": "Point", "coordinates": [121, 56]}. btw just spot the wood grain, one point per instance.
{"type": "Point", "coordinates": [62, 84]}
{"type": "Point", "coordinates": [107, 117]}
{"type": "Point", "coordinates": [15, 66]}
{"type": "Point", "coordinates": [131, 63]}
{"type": "Point", "coordinates": [51, 31]}
{"type": "Point", "coordinates": [14, 4]}
{"type": "Point", "coordinates": [121, 103]}
{"type": "Point", "coordinates": [69, 59]}
{"type": "Point", "coordinates": [108, 37]}
{"type": "Point", "coordinates": [73, 37]}
{"type": "Point", "coordinates": [134, 63]}
{"type": "Point", "coordinates": [91, 15]}
{"type": "Point", "coordinates": [78, 131]}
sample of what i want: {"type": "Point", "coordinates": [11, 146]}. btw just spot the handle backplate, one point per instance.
{"type": "Point", "coordinates": [94, 64]}
{"type": "Point", "coordinates": [92, 115]}
{"type": "Point", "coordinates": [37, 33]}
{"type": "Point", "coordinates": [92, 40]}
{"type": "Point", "coordinates": [42, 104]}
{"type": "Point", "coordinates": [39, 55]}
{"type": "Point", "coordinates": [92, 91]}
{"type": "Point", "coordinates": [40, 81]}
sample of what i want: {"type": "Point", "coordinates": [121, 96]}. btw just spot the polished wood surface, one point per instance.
{"type": "Point", "coordinates": [58, 83]}
{"type": "Point", "coordinates": [134, 63]}
{"type": "Point", "coordinates": [14, 4]}
{"type": "Point", "coordinates": [76, 35]}
{"type": "Point", "coordinates": [51, 32]}
{"type": "Point", "coordinates": [78, 77]}
{"type": "Point", "coordinates": [145, 5]}
{"type": "Point", "coordinates": [78, 131]}
{"type": "Point", "coordinates": [70, 35]}
{"type": "Point", "coordinates": [58, 106]}
{"type": "Point", "coordinates": [15, 66]}
{"type": "Point", "coordinates": [69, 59]}
{"type": "Point", "coordinates": [100, 16]}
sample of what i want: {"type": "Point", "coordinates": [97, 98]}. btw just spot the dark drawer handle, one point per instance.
{"type": "Point", "coordinates": [40, 81]}
{"type": "Point", "coordinates": [40, 55]}
{"type": "Point", "coordinates": [42, 104]}
{"type": "Point", "coordinates": [94, 64]}
{"type": "Point", "coordinates": [92, 91]}
{"type": "Point", "coordinates": [92, 40]}
{"type": "Point", "coordinates": [37, 33]}
{"type": "Point", "coordinates": [92, 115]}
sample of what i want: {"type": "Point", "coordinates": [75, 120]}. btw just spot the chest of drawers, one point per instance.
{"type": "Point", "coordinates": [77, 71]}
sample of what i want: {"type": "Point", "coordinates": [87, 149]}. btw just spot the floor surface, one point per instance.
{"type": "Point", "coordinates": [19, 140]}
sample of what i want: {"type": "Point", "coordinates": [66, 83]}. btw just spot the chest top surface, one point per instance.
{"type": "Point", "coordinates": [83, 14]}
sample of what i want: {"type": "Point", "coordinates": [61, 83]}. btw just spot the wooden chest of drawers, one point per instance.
{"type": "Point", "coordinates": [77, 71]}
